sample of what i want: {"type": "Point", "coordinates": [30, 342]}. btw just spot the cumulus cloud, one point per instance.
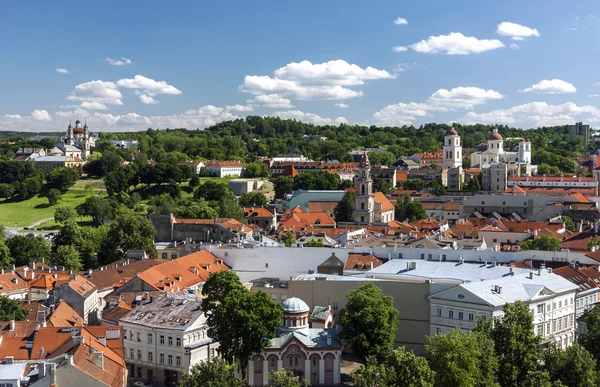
{"type": "Point", "coordinates": [93, 105]}
{"type": "Point", "coordinates": [306, 81]}
{"type": "Point", "coordinates": [399, 48]}
{"type": "Point", "coordinates": [514, 46]}
{"type": "Point", "coordinates": [309, 117]}
{"type": "Point", "coordinates": [118, 62]}
{"type": "Point", "coordinates": [535, 113]}
{"type": "Point", "coordinates": [239, 108]}
{"type": "Point", "coordinates": [274, 101]}
{"type": "Point", "coordinates": [149, 86]}
{"type": "Point", "coordinates": [455, 43]}
{"type": "Point", "coordinates": [594, 95]}
{"type": "Point", "coordinates": [552, 86]}
{"type": "Point", "coordinates": [400, 21]}
{"type": "Point", "coordinates": [197, 118]}
{"type": "Point", "coordinates": [442, 100]}
{"type": "Point", "coordinates": [147, 100]}
{"type": "Point", "coordinates": [516, 31]}
{"type": "Point", "coordinates": [342, 105]}
{"type": "Point", "coordinates": [14, 116]}
{"type": "Point", "coordinates": [41, 115]}
{"type": "Point", "coordinates": [103, 92]}
{"type": "Point", "coordinates": [62, 71]}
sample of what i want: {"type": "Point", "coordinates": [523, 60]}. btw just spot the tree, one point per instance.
{"type": "Point", "coordinates": [98, 208]}
{"type": "Point", "coordinates": [515, 343]}
{"type": "Point", "coordinates": [64, 213]}
{"type": "Point", "coordinates": [214, 372]}
{"type": "Point", "coordinates": [400, 369]}
{"type": "Point", "coordinates": [369, 322]}
{"type": "Point", "coordinates": [346, 184]}
{"type": "Point", "coordinates": [574, 367]}
{"type": "Point", "coordinates": [569, 225]}
{"type": "Point", "coordinates": [62, 178]}
{"type": "Point", "coordinates": [24, 249]}
{"type": "Point", "coordinates": [283, 185]}
{"type": "Point", "coordinates": [199, 209]}
{"type": "Point", "coordinates": [243, 322]}
{"type": "Point", "coordinates": [317, 180]}
{"type": "Point", "coordinates": [287, 238]}
{"type": "Point", "coordinates": [474, 185]}
{"type": "Point", "coordinates": [256, 169]}
{"type": "Point", "coordinates": [543, 243]}
{"type": "Point", "coordinates": [413, 184]}
{"type": "Point", "coordinates": [591, 338]}
{"type": "Point", "coordinates": [314, 243]}
{"type": "Point", "coordinates": [539, 379]}
{"type": "Point", "coordinates": [11, 310]}
{"type": "Point", "coordinates": [408, 209]}
{"type": "Point", "coordinates": [436, 188]}
{"type": "Point", "coordinates": [68, 256]}
{"type": "Point", "coordinates": [53, 196]}
{"type": "Point", "coordinates": [229, 208]}
{"type": "Point", "coordinates": [194, 181]}
{"type": "Point", "coordinates": [213, 190]}
{"type": "Point", "coordinates": [383, 186]}
{"type": "Point", "coordinates": [286, 378]}
{"type": "Point", "coordinates": [593, 242]}
{"type": "Point", "coordinates": [126, 233]}
{"type": "Point", "coordinates": [253, 199]}
{"type": "Point", "coordinates": [343, 210]}
{"type": "Point", "coordinates": [116, 181]}
{"type": "Point", "coordinates": [5, 259]}
{"type": "Point", "coordinates": [462, 359]}
{"type": "Point", "coordinates": [29, 187]}
{"type": "Point", "coordinates": [6, 190]}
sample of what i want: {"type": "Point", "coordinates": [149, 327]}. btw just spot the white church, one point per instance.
{"type": "Point", "coordinates": [495, 153]}
{"type": "Point", "coordinates": [77, 142]}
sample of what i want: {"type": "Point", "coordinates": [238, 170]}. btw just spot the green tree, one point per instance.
{"type": "Point", "coordinates": [64, 213]}
{"type": "Point", "coordinates": [283, 185]}
{"type": "Point", "coordinates": [287, 238]}
{"type": "Point", "coordinates": [253, 199]}
{"type": "Point", "coordinates": [214, 372]}
{"type": "Point", "coordinates": [346, 184]}
{"type": "Point", "coordinates": [408, 209]}
{"type": "Point", "coordinates": [68, 256]}
{"type": "Point", "coordinates": [24, 249]}
{"type": "Point", "coordinates": [317, 180]}
{"type": "Point", "coordinates": [243, 322]}
{"type": "Point", "coordinates": [62, 178]}
{"type": "Point", "coordinates": [98, 208]}
{"type": "Point", "coordinates": [383, 186]}
{"type": "Point", "coordinates": [591, 338]}
{"type": "Point", "coordinates": [213, 190]}
{"type": "Point", "coordinates": [462, 359]}
{"type": "Point", "coordinates": [543, 243]}
{"type": "Point", "coordinates": [413, 184]}
{"type": "Point", "coordinates": [400, 369]}
{"type": "Point", "coordinates": [369, 322]}
{"type": "Point", "coordinates": [5, 259]}
{"type": "Point", "coordinates": [194, 181]}
{"type": "Point", "coordinates": [286, 378]}
{"type": "Point", "coordinates": [126, 233]}
{"type": "Point", "coordinates": [229, 208]}
{"type": "Point", "coordinates": [11, 310]}
{"type": "Point", "coordinates": [539, 379]}
{"type": "Point", "coordinates": [314, 243]}
{"type": "Point", "coordinates": [256, 169]}
{"type": "Point", "coordinates": [343, 210]}
{"type": "Point", "coordinates": [474, 185]}
{"type": "Point", "coordinates": [436, 188]}
{"type": "Point", "coordinates": [593, 242]}
{"type": "Point", "coordinates": [569, 225]}
{"type": "Point", "coordinates": [53, 196]}
{"type": "Point", "coordinates": [575, 367]}
{"type": "Point", "coordinates": [200, 209]}
{"type": "Point", "coordinates": [116, 181]}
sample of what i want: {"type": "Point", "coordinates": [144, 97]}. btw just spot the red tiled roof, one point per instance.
{"type": "Point", "coordinates": [81, 285]}
{"type": "Point", "coordinates": [297, 218]}
{"type": "Point", "coordinates": [322, 207]}
{"type": "Point", "coordinates": [224, 163]}
{"type": "Point", "coordinates": [48, 281]}
{"type": "Point", "coordinates": [257, 212]}
{"type": "Point", "coordinates": [380, 198]}
{"type": "Point", "coordinates": [120, 273]}
{"type": "Point", "coordinates": [571, 179]}
{"type": "Point", "coordinates": [362, 262]}
{"type": "Point", "coordinates": [65, 316]}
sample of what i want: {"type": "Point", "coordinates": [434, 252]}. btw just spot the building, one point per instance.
{"type": "Point", "coordinates": [579, 129]}
{"type": "Point", "coordinates": [531, 207]}
{"type": "Point", "coordinates": [164, 337]}
{"type": "Point", "coordinates": [555, 182]}
{"type": "Point", "coordinates": [369, 207]}
{"type": "Point", "coordinates": [452, 157]}
{"type": "Point", "coordinates": [303, 198]}
{"type": "Point", "coordinates": [550, 298]}
{"type": "Point", "coordinates": [260, 217]}
{"type": "Point", "coordinates": [587, 288]}
{"type": "Point", "coordinates": [126, 144]}
{"type": "Point", "coordinates": [455, 178]}
{"type": "Point", "coordinates": [313, 354]}
{"type": "Point", "coordinates": [494, 176]}
{"type": "Point", "coordinates": [81, 295]}
{"type": "Point", "coordinates": [426, 159]}
{"type": "Point", "coordinates": [385, 174]}
{"type": "Point", "coordinates": [242, 186]}
{"type": "Point", "coordinates": [13, 286]}
{"type": "Point", "coordinates": [169, 228]}
{"type": "Point", "coordinates": [77, 143]}
{"type": "Point", "coordinates": [299, 220]}
{"type": "Point", "coordinates": [494, 152]}
{"type": "Point", "coordinates": [222, 168]}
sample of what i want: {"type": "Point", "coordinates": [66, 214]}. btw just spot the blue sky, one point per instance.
{"type": "Point", "coordinates": [127, 66]}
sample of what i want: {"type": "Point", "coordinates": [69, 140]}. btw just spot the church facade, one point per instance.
{"type": "Point", "coordinates": [495, 153]}
{"type": "Point", "coordinates": [369, 207]}
{"type": "Point", "coordinates": [77, 142]}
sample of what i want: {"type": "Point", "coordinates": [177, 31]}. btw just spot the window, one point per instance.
{"type": "Point", "coordinates": [553, 305]}
{"type": "Point", "coordinates": [291, 361]}
{"type": "Point", "coordinates": [178, 340]}
{"type": "Point", "coordinates": [150, 336]}
{"type": "Point", "coordinates": [212, 352]}
{"type": "Point", "coordinates": [438, 331]}
{"type": "Point", "coordinates": [429, 256]}
{"type": "Point", "coordinates": [553, 325]}
{"type": "Point", "coordinates": [162, 340]}
{"type": "Point", "coordinates": [178, 361]}
{"type": "Point", "coordinates": [450, 314]}
{"type": "Point", "coordinates": [540, 308]}
{"type": "Point", "coordinates": [484, 317]}
{"type": "Point", "coordinates": [170, 360]}
{"type": "Point", "coordinates": [422, 256]}
{"type": "Point", "coordinates": [296, 360]}
{"type": "Point", "coordinates": [162, 358]}
{"type": "Point", "coordinates": [540, 329]}
{"type": "Point", "coordinates": [495, 240]}
{"type": "Point", "coordinates": [130, 335]}
{"type": "Point", "coordinates": [170, 341]}
{"type": "Point", "coordinates": [131, 353]}
{"type": "Point", "coordinates": [439, 311]}
{"type": "Point", "coordinates": [266, 265]}
{"type": "Point", "coordinates": [150, 357]}
{"type": "Point", "coordinates": [124, 331]}
{"type": "Point", "coordinates": [548, 328]}
{"type": "Point", "coordinates": [139, 353]}
{"type": "Point", "coordinates": [571, 320]}
{"type": "Point", "coordinates": [139, 372]}
{"type": "Point", "coordinates": [471, 317]}
{"type": "Point", "coordinates": [461, 315]}
{"type": "Point", "coordinates": [139, 337]}
{"type": "Point", "coordinates": [560, 324]}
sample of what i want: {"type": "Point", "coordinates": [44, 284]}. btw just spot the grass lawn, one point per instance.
{"type": "Point", "coordinates": [28, 212]}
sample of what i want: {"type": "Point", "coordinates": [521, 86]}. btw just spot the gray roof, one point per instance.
{"type": "Point", "coordinates": [172, 311]}
{"type": "Point", "coordinates": [294, 305]}
{"type": "Point", "coordinates": [520, 287]}
{"type": "Point", "coordinates": [71, 148]}
{"type": "Point", "coordinates": [54, 159]}
{"type": "Point", "coordinates": [311, 337]}
{"type": "Point", "coordinates": [12, 371]}
{"type": "Point", "coordinates": [332, 261]}
{"type": "Point", "coordinates": [442, 271]}
{"type": "Point", "coordinates": [319, 313]}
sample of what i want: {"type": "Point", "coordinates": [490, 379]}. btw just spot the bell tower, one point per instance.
{"type": "Point", "coordinates": [70, 139]}
{"type": "Point", "coordinates": [364, 206]}
{"type": "Point", "coordinates": [452, 150]}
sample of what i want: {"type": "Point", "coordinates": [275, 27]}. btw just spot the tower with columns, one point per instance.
{"type": "Point", "coordinates": [364, 206]}
{"type": "Point", "coordinates": [452, 150]}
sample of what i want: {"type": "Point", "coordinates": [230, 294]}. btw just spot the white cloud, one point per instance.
{"type": "Point", "coordinates": [192, 119]}
{"type": "Point", "coordinates": [97, 91]}
{"type": "Point", "coordinates": [400, 21]}
{"type": "Point", "coordinates": [590, 16]}
{"type": "Point", "coordinates": [342, 105]}
{"type": "Point", "coordinates": [399, 48]}
{"type": "Point", "coordinates": [514, 46]}
{"type": "Point", "coordinates": [239, 108]}
{"type": "Point", "coordinates": [93, 105]}
{"type": "Point", "coordinates": [306, 81]}
{"type": "Point", "coordinates": [14, 116]}
{"type": "Point", "coordinates": [118, 62]}
{"type": "Point", "coordinates": [41, 115]}
{"type": "Point", "coordinates": [536, 114]}
{"type": "Point", "coordinates": [552, 86]}
{"type": "Point", "coordinates": [516, 31]}
{"type": "Point", "coordinates": [147, 100]}
{"type": "Point", "coordinates": [455, 43]}
{"type": "Point", "coordinates": [442, 100]}
{"type": "Point", "coordinates": [309, 117]}
{"type": "Point", "coordinates": [133, 119]}
{"type": "Point", "coordinates": [150, 86]}
{"type": "Point", "coordinates": [572, 29]}
{"type": "Point", "coordinates": [274, 101]}
{"type": "Point", "coordinates": [62, 71]}
{"type": "Point", "coordinates": [594, 95]}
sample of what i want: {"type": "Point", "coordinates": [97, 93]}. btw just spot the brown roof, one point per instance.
{"type": "Point", "coordinates": [34, 308]}
{"type": "Point", "coordinates": [65, 316]}
{"type": "Point", "coordinates": [452, 206]}
{"type": "Point", "coordinates": [554, 178]}
{"type": "Point", "coordinates": [362, 262]}
{"type": "Point", "coordinates": [578, 241]}
{"type": "Point", "coordinates": [575, 276]}
{"type": "Point", "coordinates": [257, 212]}
{"type": "Point", "coordinates": [299, 219]}
{"type": "Point", "coordinates": [224, 163]}
{"type": "Point", "coordinates": [107, 278]}
{"type": "Point", "coordinates": [322, 207]}
{"type": "Point", "coordinates": [81, 285]}
{"type": "Point", "coordinates": [380, 198]}
{"type": "Point", "coordinates": [48, 281]}
{"type": "Point", "coordinates": [10, 283]}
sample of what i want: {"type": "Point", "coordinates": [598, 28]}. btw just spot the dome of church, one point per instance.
{"type": "Point", "coordinates": [452, 132]}
{"type": "Point", "coordinates": [294, 305]}
{"type": "Point", "coordinates": [495, 136]}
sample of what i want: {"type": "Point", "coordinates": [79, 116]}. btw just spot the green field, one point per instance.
{"type": "Point", "coordinates": [28, 212]}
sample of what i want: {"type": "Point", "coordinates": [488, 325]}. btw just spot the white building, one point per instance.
{"type": "Point", "coordinates": [165, 337]}
{"type": "Point", "coordinates": [550, 298]}
{"type": "Point", "coordinates": [369, 207]}
{"type": "Point", "coordinates": [452, 150]}
{"type": "Point", "coordinates": [494, 176]}
{"type": "Point", "coordinates": [222, 168]}
{"type": "Point", "coordinates": [495, 153]}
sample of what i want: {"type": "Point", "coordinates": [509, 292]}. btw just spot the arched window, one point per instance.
{"type": "Point", "coordinates": [363, 188]}
{"type": "Point", "coordinates": [362, 219]}
{"type": "Point", "coordinates": [362, 206]}
{"type": "Point", "coordinates": [363, 174]}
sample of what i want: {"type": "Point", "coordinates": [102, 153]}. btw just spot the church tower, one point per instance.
{"type": "Point", "coordinates": [452, 150]}
{"type": "Point", "coordinates": [364, 206]}
{"type": "Point", "coordinates": [85, 142]}
{"type": "Point", "coordinates": [70, 140]}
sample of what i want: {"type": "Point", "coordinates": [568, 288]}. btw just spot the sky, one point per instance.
{"type": "Point", "coordinates": [125, 66]}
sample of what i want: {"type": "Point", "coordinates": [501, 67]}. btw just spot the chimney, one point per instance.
{"type": "Point", "coordinates": [90, 271]}
{"type": "Point", "coordinates": [15, 281]}
{"type": "Point", "coordinates": [37, 327]}
{"type": "Point", "coordinates": [530, 275]}
{"type": "Point", "coordinates": [12, 267]}
{"type": "Point", "coordinates": [77, 340]}
{"type": "Point", "coordinates": [10, 359]}
{"type": "Point", "coordinates": [99, 359]}
{"type": "Point", "coordinates": [512, 271]}
{"type": "Point", "coordinates": [55, 275]}
{"type": "Point", "coordinates": [146, 296]}
{"type": "Point", "coordinates": [12, 325]}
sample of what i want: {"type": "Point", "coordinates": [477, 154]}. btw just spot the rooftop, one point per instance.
{"type": "Point", "coordinates": [176, 311]}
